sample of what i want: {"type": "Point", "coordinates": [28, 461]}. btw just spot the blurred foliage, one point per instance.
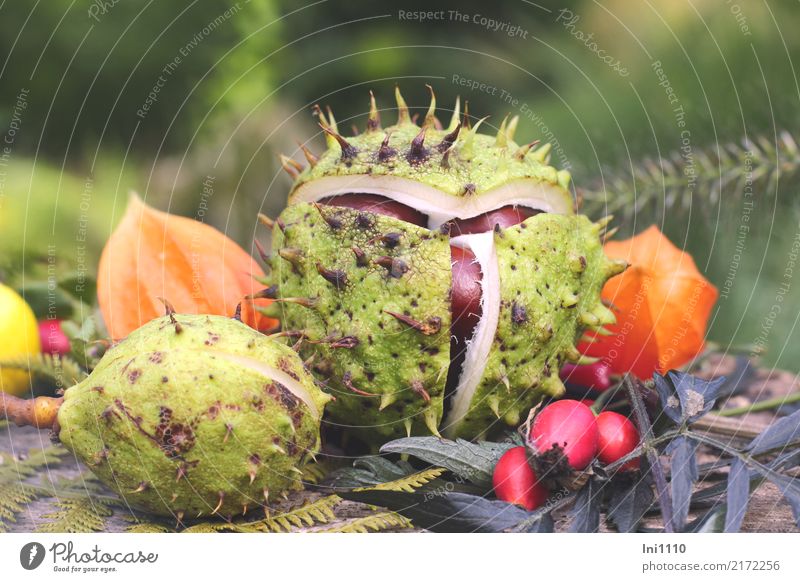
{"type": "Point", "coordinates": [90, 69]}
{"type": "Point", "coordinates": [243, 91]}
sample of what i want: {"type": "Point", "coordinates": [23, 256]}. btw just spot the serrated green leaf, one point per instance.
{"type": "Point", "coordinates": [472, 461]}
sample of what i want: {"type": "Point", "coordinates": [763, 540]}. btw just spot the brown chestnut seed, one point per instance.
{"type": "Point", "coordinates": [502, 217]}
{"type": "Point", "coordinates": [465, 305]}
{"type": "Point", "coordinates": [378, 205]}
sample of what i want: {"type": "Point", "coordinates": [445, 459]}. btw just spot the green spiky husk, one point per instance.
{"type": "Point", "coordinates": [180, 417]}
{"type": "Point", "coordinates": [551, 268]}
{"type": "Point", "coordinates": [475, 160]}
{"type": "Point", "coordinates": [391, 363]}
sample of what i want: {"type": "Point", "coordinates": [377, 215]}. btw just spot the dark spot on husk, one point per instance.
{"type": "Point", "coordinates": [285, 365]}
{"type": "Point", "coordinates": [281, 394]}
{"type": "Point", "coordinates": [519, 314]}
{"type": "Point", "coordinates": [364, 221]}
{"type": "Point", "coordinates": [174, 438]}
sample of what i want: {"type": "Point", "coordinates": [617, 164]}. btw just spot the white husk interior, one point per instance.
{"type": "Point", "coordinates": [280, 376]}
{"type": "Point", "coordinates": [482, 245]}
{"type": "Point", "coordinates": [439, 206]}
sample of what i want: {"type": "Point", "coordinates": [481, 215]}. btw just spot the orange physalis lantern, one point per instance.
{"type": "Point", "coordinates": [662, 303]}
{"type": "Point", "coordinates": [153, 255]}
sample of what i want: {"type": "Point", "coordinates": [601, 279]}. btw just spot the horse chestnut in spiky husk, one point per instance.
{"type": "Point", "coordinates": [438, 276]}
{"type": "Point", "coordinates": [195, 415]}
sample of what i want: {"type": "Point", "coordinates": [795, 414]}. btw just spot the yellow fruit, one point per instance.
{"type": "Point", "coordinates": [19, 337]}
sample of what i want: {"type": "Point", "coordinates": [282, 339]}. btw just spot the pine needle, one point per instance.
{"type": "Point", "coordinates": [705, 178]}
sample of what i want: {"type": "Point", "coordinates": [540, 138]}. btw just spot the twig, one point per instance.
{"type": "Point", "coordinates": [761, 406]}
{"type": "Point", "coordinates": [39, 412]}
{"type": "Point", "coordinates": [717, 424]}
{"type": "Point", "coordinates": [646, 430]}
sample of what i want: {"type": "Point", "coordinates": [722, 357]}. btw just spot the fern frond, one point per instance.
{"type": "Point", "coordinates": [680, 180]}
{"type": "Point", "coordinates": [207, 527]}
{"type": "Point", "coordinates": [58, 369]}
{"type": "Point", "coordinates": [13, 470]}
{"type": "Point", "coordinates": [13, 499]}
{"type": "Point", "coordinates": [386, 520]}
{"type": "Point", "coordinates": [315, 472]}
{"type": "Point", "coordinates": [409, 483]}
{"type": "Point", "coordinates": [77, 516]}
{"type": "Point", "coordinates": [147, 527]}
{"type": "Point", "coordinates": [319, 511]}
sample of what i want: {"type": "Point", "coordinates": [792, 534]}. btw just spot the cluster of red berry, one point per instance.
{"type": "Point", "coordinates": [571, 430]}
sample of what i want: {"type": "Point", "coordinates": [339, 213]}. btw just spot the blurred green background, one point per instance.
{"type": "Point", "coordinates": [679, 113]}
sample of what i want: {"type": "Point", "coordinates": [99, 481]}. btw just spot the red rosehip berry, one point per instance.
{"type": "Point", "coordinates": [617, 437]}
{"type": "Point", "coordinates": [568, 424]}
{"type": "Point", "coordinates": [515, 482]}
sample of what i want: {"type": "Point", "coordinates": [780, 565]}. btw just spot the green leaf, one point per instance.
{"type": "Point", "coordinates": [585, 515]}
{"type": "Point", "coordinates": [628, 505]}
{"type": "Point", "coordinates": [683, 475]}
{"type": "Point", "coordinates": [80, 286]}
{"type": "Point", "coordinates": [713, 521]}
{"type": "Point", "coordinates": [738, 495]}
{"type": "Point", "coordinates": [684, 397]}
{"type": "Point", "coordinates": [472, 461]}
{"type": "Point", "coordinates": [383, 469]}
{"type": "Point", "coordinates": [46, 300]}
{"type": "Point", "coordinates": [445, 512]}
{"type": "Point", "coordinates": [779, 434]}
{"type": "Point", "coordinates": [368, 471]}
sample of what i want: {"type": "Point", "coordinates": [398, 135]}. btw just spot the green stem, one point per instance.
{"type": "Point", "coordinates": [605, 397]}
{"type": "Point", "coordinates": [747, 459]}
{"type": "Point", "coordinates": [760, 406]}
